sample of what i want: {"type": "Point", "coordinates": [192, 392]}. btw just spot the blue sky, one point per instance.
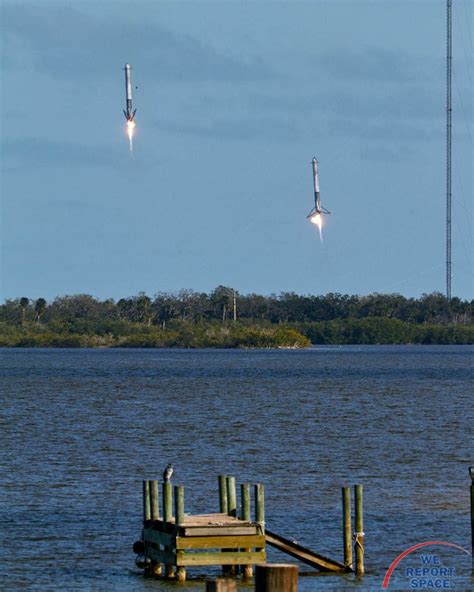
{"type": "Point", "coordinates": [234, 99]}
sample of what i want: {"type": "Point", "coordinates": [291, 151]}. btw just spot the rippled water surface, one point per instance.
{"type": "Point", "coordinates": [81, 429]}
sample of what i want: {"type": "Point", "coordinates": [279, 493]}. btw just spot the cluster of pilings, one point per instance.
{"type": "Point", "coordinates": [240, 541]}
{"type": "Point", "coordinates": [172, 541]}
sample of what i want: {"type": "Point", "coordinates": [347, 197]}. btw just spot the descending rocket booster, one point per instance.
{"type": "Point", "coordinates": [129, 112]}
{"type": "Point", "coordinates": [314, 215]}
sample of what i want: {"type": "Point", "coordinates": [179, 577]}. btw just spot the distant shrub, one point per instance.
{"type": "Point", "coordinates": [154, 339]}
{"type": "Point", "coordinates": [66, 341]}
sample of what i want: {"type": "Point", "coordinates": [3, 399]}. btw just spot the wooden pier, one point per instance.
{"type": "Point", "coordinates": [174, 541]}
{"type": "Point", "coordinates": [179, 541]}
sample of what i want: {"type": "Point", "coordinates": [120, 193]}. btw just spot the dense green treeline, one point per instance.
{"type": "Point", "coordinates": [193, 319]}
{"type": "Point", "coordinates": [219, 304]}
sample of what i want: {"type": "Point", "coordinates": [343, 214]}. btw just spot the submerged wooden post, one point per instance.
{"type": "Point", "coordinates": [223, 503]}
{"type": "Point", "coordinates": [247, 570]}
{"type": "Point", "coordinates": [359, 530]}
{"type": "Point", "coordinates": [347, 526]}
{"type": "Point", "coordinates": [221, 585]}
{"type": "Point", "coordinates": [276, 577]}
{"type": "Point", "coordinates": [167, 516]}
{"type": "Point", "coordinates": [231, 497]}
{"type": "Point", "coordinates": [146, 501]}
{"type": "Point", "coordinates": [179, 515]}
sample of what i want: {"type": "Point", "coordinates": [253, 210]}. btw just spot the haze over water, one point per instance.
{"type": "Point", "coordinates": [82, 428]}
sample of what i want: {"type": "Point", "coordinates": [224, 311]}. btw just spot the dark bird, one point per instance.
{"type": "Point", "coordinates": [168, 473]}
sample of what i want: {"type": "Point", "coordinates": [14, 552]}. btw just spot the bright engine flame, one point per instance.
{"type": "Point", "coordinates": [317, 220]}
{"type": "Point", "coordinates": [130, 129]}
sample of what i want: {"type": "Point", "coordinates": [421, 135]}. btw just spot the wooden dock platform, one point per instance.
{"type": "Point", "coordinates": [205, 539]}
{"type": "Point", "coordinates": [178, 540]}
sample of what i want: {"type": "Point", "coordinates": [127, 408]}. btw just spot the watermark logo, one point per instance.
{"type": "Point", "coordinates": [430, 573]}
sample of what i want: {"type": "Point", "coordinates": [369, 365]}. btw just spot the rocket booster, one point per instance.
{"type": "Point", "coordinates": [318, 208]}
{"type": "Point", "coordinates": [317, 198]}
{"type": "Point", "coordinates": [129, 112]}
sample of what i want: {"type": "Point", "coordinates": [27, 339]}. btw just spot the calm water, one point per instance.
{"type": "Point", "coordinates": [81, 429]}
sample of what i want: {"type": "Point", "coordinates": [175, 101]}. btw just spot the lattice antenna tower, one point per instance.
{"type": "Point", "coordinates": [449, 66]}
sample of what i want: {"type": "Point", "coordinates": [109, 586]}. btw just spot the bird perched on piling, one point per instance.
{"type": "Point", "coordinates": [168, 473]}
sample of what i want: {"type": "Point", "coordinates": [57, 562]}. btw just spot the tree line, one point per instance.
{"type": "Point", "coordinates": [223, 304]}
{"type": "Point", "coordinates": [225, 318]}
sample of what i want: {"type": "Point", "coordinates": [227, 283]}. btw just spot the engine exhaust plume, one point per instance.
{"type": "Point", "coordinates": [317, 220]}
{"type": "Point", "coordinates": [130, 130]}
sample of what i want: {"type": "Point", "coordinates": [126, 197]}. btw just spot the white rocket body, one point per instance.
{"type": "Point", "coordinates": [318, 208]}
{"type": "Point", "coordinates": [317, 199]}
{"type": "Point", "coordinates": [128, 112]}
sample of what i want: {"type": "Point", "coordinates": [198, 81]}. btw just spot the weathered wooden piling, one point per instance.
{"type": "Point", "coordinates": [359, 530]}
{"type": "Point", "coordinates": [223, 501]}
{"type": "Point", "coordinates": [260, 506]}
{"type": "Point", "coordinates": [167, 517]}
{"type": "Point", "coordinates": [155, 567]}
{"type": "Point", "coordinates": [276, 577]}
{"type": "Point", "coordinates": [179, 521]}
{"type": "Point", "coordinates": [154, 500]}
{"type": "Point", "coordinates": [221, 585]}
{"type": "Point", "coordinates": [146, 501]}
{"type": "Point", "coordinates": [231, 570]}
{"type": "Point", "coordinates": [347, 526]}
{"type": "Point", "coordinates": [179, 504]}
{"type": "Point", "coordinates": [245, 501]}
{"type": "Point", "coordinates": [167, 501]}
{"type": "Point", "coordinates": [224, 508]}
{"type": "Point", "coordinates": [247, 570]}
{"type": "Point", "coordinates": [471, 473]}
{"type": "Point", "coordinates": [146, 517]}
{"type": "Point", "coordinates": [231, 496]}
